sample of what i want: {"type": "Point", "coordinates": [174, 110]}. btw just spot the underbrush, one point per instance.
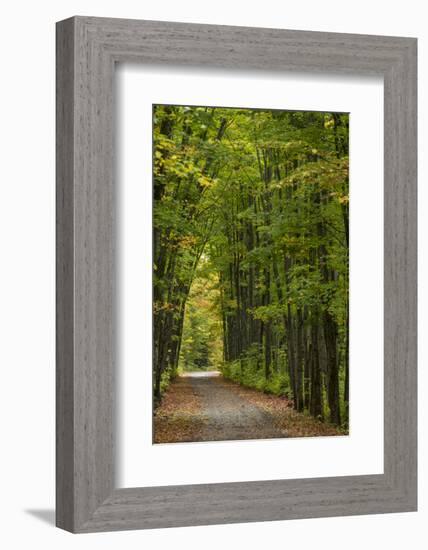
{"type": "Point", "coordinates": [166, 378]}
{"type": "Point", "coordinates": [246, 373]}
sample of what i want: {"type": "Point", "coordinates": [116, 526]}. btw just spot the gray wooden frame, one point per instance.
{"type": "Point", "coordinates": [87, 50]}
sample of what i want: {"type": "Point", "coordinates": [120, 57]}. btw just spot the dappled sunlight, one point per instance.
{"type": "Point", "coordinates": [202, 340]}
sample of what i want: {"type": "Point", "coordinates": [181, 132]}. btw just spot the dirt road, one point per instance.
{"type": "Point", "coordinates": [226, 414]}
{"type": "Point", "coordinates": [204, 406]}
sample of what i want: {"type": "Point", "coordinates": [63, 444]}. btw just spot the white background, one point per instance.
{"type": "Point", "coordinates": [27, 272]}
{"type": "Point", "coordinates": [361, 452]}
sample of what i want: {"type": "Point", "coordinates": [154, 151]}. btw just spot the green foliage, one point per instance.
{"type": "Point", "coordinates": [166, 378]}
{"type": "Point", "coordinates": [251, 377]}
{"type": "Point", "coordinates": [202, 345]}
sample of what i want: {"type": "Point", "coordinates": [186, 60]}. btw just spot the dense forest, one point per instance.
{"type": "Point", "coordinates": [250, 251]}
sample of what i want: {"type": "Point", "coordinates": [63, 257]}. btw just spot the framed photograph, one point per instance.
{"type": "Point", "coordinates": [236, 274]}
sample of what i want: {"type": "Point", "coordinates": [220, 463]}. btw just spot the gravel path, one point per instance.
{"type": "Point", "coordinates": [226, 414]}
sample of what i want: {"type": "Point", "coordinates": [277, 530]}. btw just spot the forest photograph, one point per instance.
{"type": "Point", "coordinates": [250, 273]}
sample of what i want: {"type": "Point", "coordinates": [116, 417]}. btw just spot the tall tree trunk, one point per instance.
{"type": "Point", "coordinates": [330, 335]}
{"type": "Point", "coordinates": [316, 396]}
{"type": "Point", "coordinates": [299, 360]}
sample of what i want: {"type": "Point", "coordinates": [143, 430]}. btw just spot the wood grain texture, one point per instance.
{"type": "Point", "coordinates": [64, 276]}
{"type": "Point", "coordinates": [87, 49]}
